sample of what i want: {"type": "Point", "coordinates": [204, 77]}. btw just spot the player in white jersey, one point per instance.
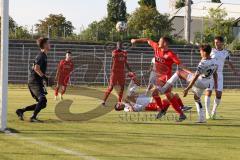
{"type": "Point", "coordinates": [198, 81]}
{"type": "Point", "coordinates": [221, 55]}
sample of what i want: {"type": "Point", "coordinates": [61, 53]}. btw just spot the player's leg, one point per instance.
{"type": "Point", "coordinates": [120, 94]}
{"type": "Point", "coordinates": [40, 92]}
{"type": "Point", "coordinates": [107, 93]}
{"type": "Point", "coordinates": [63, 90]}
{"type": "Point", "coordinates": [56, 90]}
{"type": "Point", "coordinates": [218, 97]}
{"type": "Point", "coordinates": [208, 102]}
{"type": "Point", "coordinates": [181, 74]}
{"type": "Point", "coordinates": [180, 102]}
{"type": "Point", "coordinates": [174, 102]}
{"type": "Point", "coordinates": [216, 103]}
{"type": "Point", "coordinates": [20, 112]}
{"type": "Point", "coordinates": [200, 110]}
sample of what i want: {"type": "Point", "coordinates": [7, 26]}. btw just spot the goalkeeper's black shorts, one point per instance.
{"type": "Point", "coordinates": [37, 90]}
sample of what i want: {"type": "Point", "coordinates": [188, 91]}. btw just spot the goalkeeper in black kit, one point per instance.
{"type": "Point", "coordinates": [37, 82]}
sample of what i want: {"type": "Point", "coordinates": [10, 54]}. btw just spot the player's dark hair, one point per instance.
{"type": "Point", "coordinates": [220, 38]}
{"type": "Point", "coordinates": [206, 48]}
{"type": "Point", "coordinates": [167, 39]}
{"type": "Point", "coordinates": [41, 42]}
{"type": "Point", "coordinates": [68, 52]}
{"type": "Point", "coordinates": [119, 45]}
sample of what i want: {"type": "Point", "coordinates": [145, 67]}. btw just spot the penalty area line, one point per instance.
{"type": "Point", "coordinates": [50, 146]}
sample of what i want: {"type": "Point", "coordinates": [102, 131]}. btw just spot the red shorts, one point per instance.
{"type": "Point", "coordinates": [63, 80]}
{"type": "Point", "coordinates": [155, 107]}
{"type": "Point", "coordinates": [116, 79]}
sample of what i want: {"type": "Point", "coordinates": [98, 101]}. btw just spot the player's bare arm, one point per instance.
{"type": "Point", "coordinates": [128, 67]}
{"type": "Point", "coordinates": [141, 40]}
{"type": "Point", "coordinates": [186, 90]}
{"type": "Point", "coordinates": [38, 70]}
{"type": "Point", "coordinates": [232, 67]}
{"type": "Point", "coordinates": [58, 72]}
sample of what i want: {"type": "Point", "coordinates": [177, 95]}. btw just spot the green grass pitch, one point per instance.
{"type": "Point", "coordinates": [118, 136]}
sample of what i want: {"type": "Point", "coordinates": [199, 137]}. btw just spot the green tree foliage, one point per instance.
{"type": "Point", "coordinates": [180, 4]}
{"type": "Point", "coordinates": [17, 32]}
{"type": "Point", "coordinates": [98, 30]}
{"type": "Point", "coordinates": [117, 10]}
{"type": "Point", "coordinates": [148, 22]}
{"type": "Point", "coordinates": [57, 25]}
{"type": "Point", "coordinates": [148, 3]}
{"type": "Point", "coordinates": [216, 1]}
{"type": "Point", "coordinates": [216, 24]}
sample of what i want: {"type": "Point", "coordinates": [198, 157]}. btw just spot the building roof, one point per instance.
{"type": "Point", "coordinates": [201, 9]}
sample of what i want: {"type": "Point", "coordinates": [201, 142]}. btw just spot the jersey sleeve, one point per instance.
{"type": "Point", "coordinates": [228, 57]}
{"type": "Point", "coordinates": [153, 44]}
{"type": "Point", "coordinates": [38, 60]}
{"type": "Point", "coordinates": [200, 68]}
{"type": "Point", "coordinates": [175, 58]}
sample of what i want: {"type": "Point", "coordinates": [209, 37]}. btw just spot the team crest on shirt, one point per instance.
{"type": "Point", "coordinates": [165, 56]}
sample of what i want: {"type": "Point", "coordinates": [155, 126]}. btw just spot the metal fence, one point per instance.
{"type": "Point", "coordinates": [93, 62]}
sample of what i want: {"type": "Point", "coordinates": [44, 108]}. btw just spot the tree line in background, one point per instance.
{"type": "Point", "coordinates": [145, 21]}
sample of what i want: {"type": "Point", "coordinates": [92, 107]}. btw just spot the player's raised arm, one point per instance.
{"type": "Point", "coordinates": [141, 40]}
{"type": "Point", "coordinates": [185, 92]}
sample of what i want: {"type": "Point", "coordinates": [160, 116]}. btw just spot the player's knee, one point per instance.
{"type": "Point", "coordinates": [43, 101]}
{"type": "Point", "coordinates": [196, 98]}
{"type": "Point", "coordinates": [169, 95]}
{"type": "Point", "coordinates": [218, 95]}
{"type": "Point", "coordinates": [155, 93]}
{"type": "Point", "coordinates": [209, 93]}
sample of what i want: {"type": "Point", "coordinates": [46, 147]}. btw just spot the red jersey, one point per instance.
{"type": "Point", "coordinates": [65, 67]}
{"type": "Point", "coordinates": [119, 59]}
{"type": "Point", "coordinates": [163, 61]}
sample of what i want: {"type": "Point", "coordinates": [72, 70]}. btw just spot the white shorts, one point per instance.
{"type": "Point", "coordinates": [220, 83]}
{"type": "Point", "coordinates": [200, 85]}
{"type": "Point", "coordinates": [152, 78]}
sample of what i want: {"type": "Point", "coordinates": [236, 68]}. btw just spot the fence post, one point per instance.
{"type": "Point", "coordinates": [141, 67]}
{"type": "Point", "coordinates": [23, 50]}
{"type": "Point", "coordinates": [104, 67]}
{"type": "Point", "coordinates": [54, 53]}
{"type": "Point", "coordinates": [29, 57]}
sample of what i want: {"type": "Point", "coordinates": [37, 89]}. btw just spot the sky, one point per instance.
{"type": "Point", "coordinates": [79, 12]}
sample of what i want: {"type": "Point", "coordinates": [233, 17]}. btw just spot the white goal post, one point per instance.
{"type": "Point", "coordinates": [4, 9]}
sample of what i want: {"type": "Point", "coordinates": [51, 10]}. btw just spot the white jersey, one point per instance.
{"type": "Point", "coordinates": [207, 67]}
{"type": "Point", "coordinates": [221, 56]}
{"type": "Point", "coordinates": [141, 103]}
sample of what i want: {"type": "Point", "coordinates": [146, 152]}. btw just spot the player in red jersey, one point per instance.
{"type": "Point", "coordinates": [117, 77]}
{"type": "Point", "coordinates": [164, 60]}
{"type": "Point", "coordinates": [65, 67]}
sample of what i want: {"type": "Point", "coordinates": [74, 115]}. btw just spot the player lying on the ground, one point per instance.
{"type": "Point", "coordinates": [198, 81]}
{"type": "Point", "coordinates": [164, 60]}
{"type": "Point", "coordinates": [64, 70]}
{"type": "Point", "coordinates": [221, 55]}
{"type": "Point", "coordinates": [117, 77]}
{"type": "Point", "coordinates": [37, 82]}
{"type": "Point", "coordinates": [141, 102]}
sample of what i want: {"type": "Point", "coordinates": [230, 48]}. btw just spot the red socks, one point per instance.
{"type": "Point", "coordinates": [175, 105]}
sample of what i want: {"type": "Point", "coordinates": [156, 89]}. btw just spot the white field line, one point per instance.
{"type": "Point", "coordinates": [57, 148]}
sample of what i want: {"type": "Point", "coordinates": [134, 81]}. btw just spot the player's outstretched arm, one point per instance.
{"type": "Point", "coordinates": [141, 40]}
{"type": "Point", "coordinates": [185, 92]}
{"type": "Point", "coordinates": [128, 67]}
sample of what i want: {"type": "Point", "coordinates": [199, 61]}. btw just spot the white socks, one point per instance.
{"type": "Point", "coordinates": [200, 110]}
{"type": "Point", "coordinates": [170, 82]}
{"type": "Point", "coordinates": [207, 105]}
{"type": "Point", "coordinates": [215, 105]}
